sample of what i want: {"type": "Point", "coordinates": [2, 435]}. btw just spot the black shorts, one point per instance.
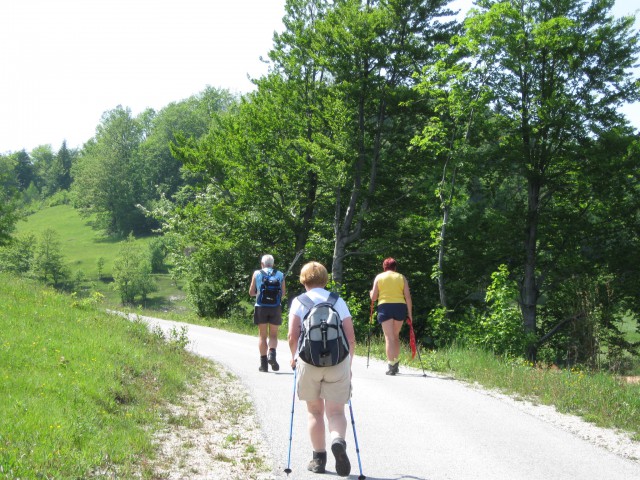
{"type": "Point", "coordinates": [387, 311]}
{"type": "Point", "coordinates": [272, 315]}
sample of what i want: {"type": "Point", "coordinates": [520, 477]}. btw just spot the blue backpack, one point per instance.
{"type": "Point", "coordinates": [270, 289]}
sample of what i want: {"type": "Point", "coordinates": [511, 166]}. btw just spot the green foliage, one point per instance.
{"type": "Point", "coordinates": [100, 265]}
{"type": "Point", "coordinates": [129, 165]}
{"type": "Point", "coordinates": [17, 256]}
{"type": "Point", "coordinates": [8, 204]}
{"type": "Point", "coordinates": [501, 330]}
{"type": "Point", "coordinates": [157, 254]}
{"type": "Point", "coordinates": [48, 263]}
{"type": "Point", "coordinates": [61, 197]}
{"type": "Point", "coordinates": [512, 127]}
{"type": "Point", "coordinates": [132, 272]}
{"type": "Point", "coordinates": [107, 176]}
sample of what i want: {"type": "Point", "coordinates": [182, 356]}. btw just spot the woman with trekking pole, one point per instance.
{"type": "Point", "coordinates": [323, 364]}
{"type": "Point", "coordinates": [391, 291]}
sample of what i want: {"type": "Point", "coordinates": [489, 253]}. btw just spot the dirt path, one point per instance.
{"type": "Point", "coordinates": [213, 434]}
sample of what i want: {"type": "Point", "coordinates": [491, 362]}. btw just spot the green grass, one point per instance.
{"type": "Point", "coordinates": [81, 391]}
{"type": "Point", "coordinates": [82, 247]}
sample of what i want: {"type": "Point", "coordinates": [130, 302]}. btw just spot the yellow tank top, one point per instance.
{"type": "Point", "coordinates": [391, 287]}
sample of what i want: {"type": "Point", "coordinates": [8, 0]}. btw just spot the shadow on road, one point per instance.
{"type": "Point", "coordinates": [400, 477]}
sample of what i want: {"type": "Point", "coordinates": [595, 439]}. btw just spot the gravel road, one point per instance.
{"type": "Point", "coordinates": [422, 428]}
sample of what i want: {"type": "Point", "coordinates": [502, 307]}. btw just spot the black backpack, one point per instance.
{"type": "Point", "coordinates": [270, 290]}
{"type": "Point", "coordinates": [322, 341]}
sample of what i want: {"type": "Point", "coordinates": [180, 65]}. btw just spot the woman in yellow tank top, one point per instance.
{"type": "Point", "coordinates": [391, 290]}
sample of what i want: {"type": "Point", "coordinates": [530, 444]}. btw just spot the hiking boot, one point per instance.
{"type": "Point", "coordinates": [318, 462]}
{"type": "Point", "coordinates": [393, 368]}
{"type": "Point", "coordinates": [339, 449]}
{"type": "Point", "coordinates": [272, 360]}
{"type": "Point", "coordinates": [264, 367]}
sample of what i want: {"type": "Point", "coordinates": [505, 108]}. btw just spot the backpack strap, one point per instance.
{"type": "Point", "coordinates": [309, 304]}
{"type": "Point", "coordinates": [306, 301]}
{"type": "Point", "coordinates": [333, 298]}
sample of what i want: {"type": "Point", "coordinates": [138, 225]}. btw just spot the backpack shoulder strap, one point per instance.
{"type": "Point", "coordinates": [333, 298]}
{"type": "Point", "coordinates": [306, 301]}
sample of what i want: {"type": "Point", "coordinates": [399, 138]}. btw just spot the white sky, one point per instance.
{"type": "Point", "coordinates": [65, 62]}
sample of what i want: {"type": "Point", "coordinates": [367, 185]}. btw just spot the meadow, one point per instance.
{"type": "Point", "coordinates": [82, 247]}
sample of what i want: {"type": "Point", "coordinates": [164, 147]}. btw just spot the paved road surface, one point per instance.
{"type": "Point", "coordinates": [411, 427]}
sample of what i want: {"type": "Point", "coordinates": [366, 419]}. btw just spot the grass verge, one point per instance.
{"type": "Point", "coordinates": [598, 397]}
{"type": "Point", "coordinates": [81, 391]}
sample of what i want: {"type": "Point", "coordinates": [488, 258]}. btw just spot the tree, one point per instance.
{"type": "Point", "coordinates": [64, 162]}
{"type": "Point", "coordinates": [17, 256]}
{"type": "Point", "coordinates": [371, 51]}
{"type": "Point", "coordinates": [267, 163]}
{"type": "Point", "coordinates": [188, 118]}
{"type": "Point", "coordinates": [132, 272]}
{"type": "Point", "coordinates": [24, 169]}
{"type": "Point", "coordinates": [48, 264]}
{"type": "Point", "coordinates": [107, 176]}
{"type": "Point", "coordinates": [558, 70]}
{"type": "Point", "coordinates": [8, 204]}
{"type": "Point", "coordinates": [43, 164]}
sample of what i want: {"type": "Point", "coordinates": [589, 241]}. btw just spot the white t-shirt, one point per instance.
{"type": "Point", "coordinates": [318, 295]}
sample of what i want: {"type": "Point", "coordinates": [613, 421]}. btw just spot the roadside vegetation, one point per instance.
{"type": "Point", "coordinates": [81, 391]}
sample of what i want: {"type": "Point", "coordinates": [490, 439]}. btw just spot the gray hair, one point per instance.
{"type": "Point", "coordinates": [267, 261]}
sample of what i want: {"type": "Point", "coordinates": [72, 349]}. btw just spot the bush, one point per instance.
{"type": "Point", "coordinates": [157, 254]}
{"type": "Point", "coordinates": [132, 273]}
{"type": "Point", "coordinates": [501, 329]}
{"type": "Point", "coordinates": [17, 256]}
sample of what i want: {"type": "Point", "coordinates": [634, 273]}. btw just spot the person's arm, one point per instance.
{"type": "Point", "coordinates": [374, 291]}
{"type": "Point", "coordinates": [252, 288]}
{"type": "Point", "coordinates": [293, 336]}
{"type": "Point", "coordinates": [349, 332]}
{"type": "Point", "coordinates": [407, 298]}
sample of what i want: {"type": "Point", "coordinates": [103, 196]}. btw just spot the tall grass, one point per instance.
{"type": "Point", "coordinates": [80, 390]}
{"type": "Point", "coordinates": [598, 397]}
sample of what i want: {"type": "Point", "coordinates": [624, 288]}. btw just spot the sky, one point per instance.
{"type": "Point", "coordinates": [63, 63]}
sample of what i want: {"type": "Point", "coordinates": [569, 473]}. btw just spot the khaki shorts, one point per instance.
{"type": "Point", "coordinates": [330, 383]}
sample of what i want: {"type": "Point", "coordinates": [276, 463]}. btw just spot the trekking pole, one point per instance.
{"type": "Point", "coordinates": [369, 337]}
{"type": "Point", "coordinates": [293, 402]}
{"type": "Point", "coordinates": [420, 358]}
{"type": "Point", "coordinates": [355, 437]}
{"type": "Point", "coordinates": [414, 344]}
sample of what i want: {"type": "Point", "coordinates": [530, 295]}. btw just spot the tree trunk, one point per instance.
{"type": "Point", "coordinates": [443, 231]}
{"type": "Point", "coordinates": [529, 291]}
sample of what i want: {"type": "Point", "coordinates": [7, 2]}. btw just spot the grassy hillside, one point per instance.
{"type": "Point", "coordinates": [81, 391]}
{"type": "Point", "coordinates": [82, 247]}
